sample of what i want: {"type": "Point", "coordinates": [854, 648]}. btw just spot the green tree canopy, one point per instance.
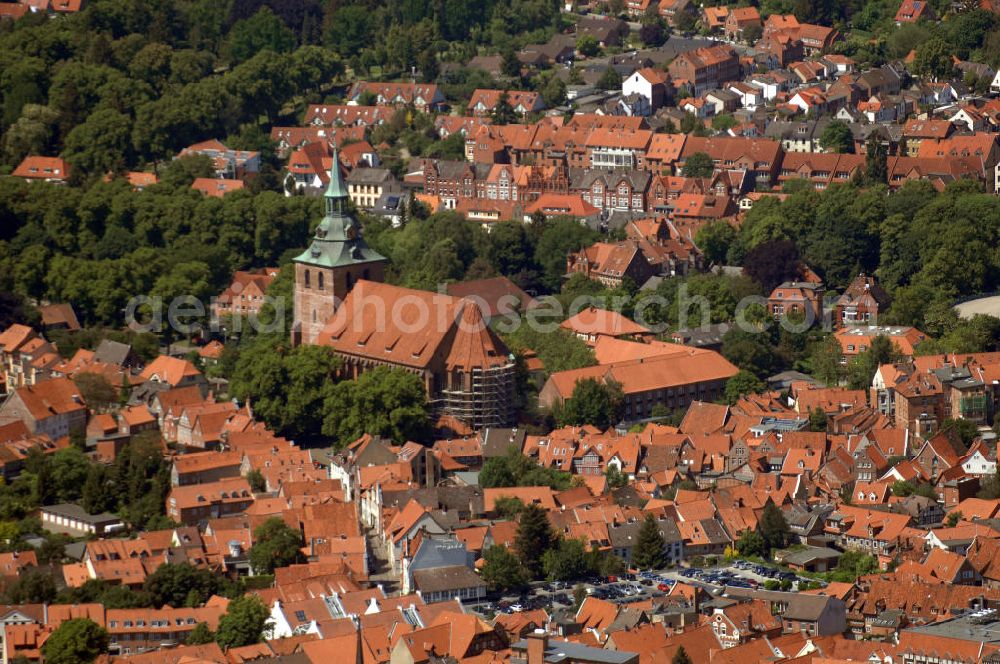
{"type": "Point", "coordinates": [698, 165]}
{"type": "Point", "coordinates": [680, 657]}
{"type": "Point", "coordinates": [275, 545]}
{"type": "Point", "coordinates": [75, 641]}
{"type": "Point", "coordinates": [609, 80]}
{"type": "Point", "coordinates": [837, 137]}
{"type": "Point", "coordinates": [742, 384]}
{"type": "Point", "coordinates": [649, 550]}
{"type": "Point", "coordinates": [773, 526]}
{"type": "Point", "coordinates": [588, 46]}
{"type": "Point", "coordinates": [200, 635]}
{"type": "Point", "coordinates": [502, 569]}
{"type": "Point", "coordinates": [752, 543]}
{"type": "Point", "coordinates": [534, 538]}
{"type": "Point", "coordinates": [180, 584]}
{"type": "Point", "coordinates": [515, 469]}
{"type": "Point", "coordinates": [934, 58]}
{"type": "Point", "coordinates": [243, 623]}
{"type": "Point", "coordinates": [566, 561]}
{"type": "Point", "coordinates": [261, 31]}
{"type": "Point", "coordinates": [384, 402]}
{"type": "Point", "coordinates": [288, 387]}
{"type": "Point", "coordinates": [592, 402]}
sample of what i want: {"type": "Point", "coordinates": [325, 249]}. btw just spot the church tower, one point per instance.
{"type": "Point", "coordinates": [334, 261]}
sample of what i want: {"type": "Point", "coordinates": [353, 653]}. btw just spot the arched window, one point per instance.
{"type": "Point", "coordinates": [320, 280]}
{"type": "Point", "coordinates": [314, 315]}
{"type": "Point", "coordinates": [349, 280]}
{"type": "Point", "coordinates": [307, 278]}
{"type": "Point", "coordinates": [364, 275]}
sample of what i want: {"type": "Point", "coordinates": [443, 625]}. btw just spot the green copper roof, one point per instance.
{"type": "Point", "coordinates": [336, 188]}
{"type": "Point", "coordinates": [337, 240]}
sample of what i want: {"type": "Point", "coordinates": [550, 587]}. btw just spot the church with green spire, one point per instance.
{"type": "Point", "coordinates": [336, 259]}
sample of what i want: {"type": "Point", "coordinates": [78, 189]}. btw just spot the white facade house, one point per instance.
{"type": "Point", "coordinates": [750, 96]}
{"type": "Point", "coordinates": [977, 464]}
{"type": "Point", "coordinates": [768, 86]}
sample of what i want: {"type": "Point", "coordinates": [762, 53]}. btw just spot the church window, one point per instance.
{"type": "Point", "coordinates": [320, 280]}
{"type": "Point", "coordinates": [307, 278]}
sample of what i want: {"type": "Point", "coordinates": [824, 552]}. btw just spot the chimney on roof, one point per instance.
{"type": "Point", "coordinates": [538, 642]}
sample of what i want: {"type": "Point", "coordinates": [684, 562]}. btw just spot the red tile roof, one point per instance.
{"type": "Point", "coordinates": [42, 168]}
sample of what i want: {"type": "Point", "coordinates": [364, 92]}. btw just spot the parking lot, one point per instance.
{"type": "Point", "coordinates": [633, 588]}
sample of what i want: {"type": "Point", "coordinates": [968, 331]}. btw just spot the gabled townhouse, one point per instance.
{"type": "Point", "coordinates": [861, 302]}
{"type": "Point", "coordinates": [722, 101]}
{"type": "Point", "coordinates": [873, 532]}
{"type": "Point", "coordinates": [405, 526]}
{"type": "Point", "coordinates": [27, 357]}
{"type": "Point", "coordinates": [613, 149]}
{"type": "Point", "coordinates": [705, 68]}
{"type": "Point", "coordinates": [624, 190]}
{"type": "Point", "coordinates": [610, 264]}
{"type": "Point", "coordinates": [971, 117]}
{"type": "Point", "coordinates": [750, 96]}
{"type": "Point", "coordinates": [808, 615]}
{"type": "Point", "coordinates": [204, 467]}
{"type": "Point", "coordinates": [771, 83]}
{"type": "Point", "coordinates": [199, 502]}
{"type": "Point", "coordinates": [810, 100]}
{"type": "Point", "coordinates": [483, 101]}
{"type": "Point", "coordinates": [984, 146]}
{"type": "Point", "coordinates": [425, 97]}
{"type": "Point", "coordinates": [245, 294]}
{"type": "Point", "coordinates": [652, 85]}
{"type": "Point", "coordinates": [53, 407]}
{"type": "Point", "coordinates": [172, 371]}
{"type": "Point", "coordinates": [671, 10]}
{"type": "Point", "coordinates": [797, 298]}
{"type": "Point", "coordinates": [743, 622]}
{"type": "Point", "coordinates": [759, 157]}
{"type": "Point", "coordinates": [714, 18]}
{"type": "Point", "coordinates": [133, 631]}
{"type": "Point", "coordinates": [738, 20]}
{"type": "Point", "coordinates": [941, 452]}
{"type": "Point", "coordinates": [808, 71]}
{"type": "Point", "coordinates": [344, 116]}
{"type": "Point", "coordinates": [775, 51]}
{"type": "Point", "coordinates": [797, 136]}
{"type": "Point", "coordinates": [815, 38]}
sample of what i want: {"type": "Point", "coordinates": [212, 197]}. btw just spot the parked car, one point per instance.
{"type": "Point", "coordinates": [663, 587]}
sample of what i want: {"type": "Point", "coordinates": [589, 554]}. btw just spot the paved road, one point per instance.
{"type": "Point", "coordinates": [985, 305]}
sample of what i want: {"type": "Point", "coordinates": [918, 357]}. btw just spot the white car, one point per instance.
{"type": "Point", "coordinates": [516, 608]}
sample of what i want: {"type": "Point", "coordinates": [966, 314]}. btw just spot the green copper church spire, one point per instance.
{"type": "Point", "coordinates": [336, 191]}
{"type": "Point", "coordinates": [337, 240]}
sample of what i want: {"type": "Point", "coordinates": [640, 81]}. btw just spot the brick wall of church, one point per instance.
{"type": "Point", "coordinates": [316, 298]}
